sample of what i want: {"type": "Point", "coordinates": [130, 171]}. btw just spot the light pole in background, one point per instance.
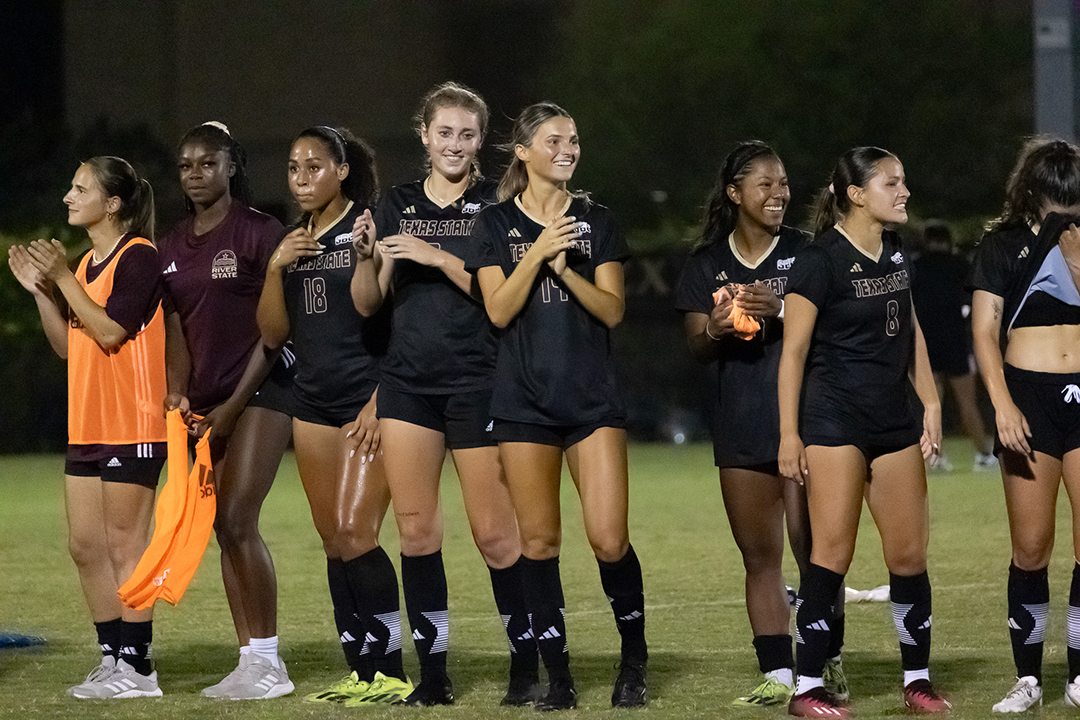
{"type": "Point", "coordinates": [1054, 97]}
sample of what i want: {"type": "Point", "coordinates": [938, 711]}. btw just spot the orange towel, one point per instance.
{"type": "Point", "coordinates": [746, 326]}
{"type": "Point", "coordinates": [183, 521]}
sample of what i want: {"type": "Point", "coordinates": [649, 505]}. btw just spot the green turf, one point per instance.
{"type": "Point", "coordinates": [699, 636]}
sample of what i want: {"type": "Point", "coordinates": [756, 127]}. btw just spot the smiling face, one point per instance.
{"type": "Point", "coordinates": [885, 196]}
{"type": "Point", "coordinates": [553, 152]}
{"type": "Point", "coordinates": [314, 177]}
{"type": "Point", "coordinates": [86, 201]}
{"type": "Point", "coordinates": [763, 194]}
{"type": "Point", "coordinates": [204, 173]}
{"type": "Point", "coordinates": [452, 140]}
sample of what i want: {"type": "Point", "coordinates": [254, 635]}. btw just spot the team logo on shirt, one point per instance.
{"type": "Point", "coordinates": [784, 263]}
{"type": "Point", "coordinates": [224, 265]}
{"type": "Point", "coordinates": [170, 269]}
{"type": "Point", "coordinates": [584, 228]}
{"type": "Point", "coordinates": [343, 239]}
{"type": "Point", "coordinates": [898, 257]}
{"type": "Point", "coordinates": [470, 208]}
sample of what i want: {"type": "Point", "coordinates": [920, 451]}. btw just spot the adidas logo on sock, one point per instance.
{"type": "Point", "coordinates": [170, 269]}
{"type": "Point", "coordinates": [114, 463]}
{"type": "Point", "coordinates": [550, 634]}
{"type": "Point", "coordinates": [820, 625]}
{"type": "Point", "coordinates": [513, 233]}
{"type": "Point", "coordinates": [856, 268]}
{"type": "Point", "coordinates": [528, 635]}
{"type": "Point", "coordinates": [632, 616]}
{"type": "Point", "coordinates": [346, 637]}
{"type": "Point", "coordinates": [369, 638]}
{"type": "Point", "coordinates": [417, 635]}
{"type": "Point", "coordinates": [411, 210]}
{"type": "Point", "coordinates": [1014, 625]}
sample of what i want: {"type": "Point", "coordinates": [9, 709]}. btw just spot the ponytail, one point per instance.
{"type": "Point", "coordinates": [855, 167]}
{"type": "Point", "coordinates": [516, 178]}
{"type": "Point", "coordinates": [118, 179]}
{"type": "Point", "coordinates": [361, 185]}
{"type": "Point", "coordinates": [721, 212]}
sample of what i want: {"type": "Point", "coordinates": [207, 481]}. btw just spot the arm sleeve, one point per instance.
{"type": "Point", "coordinates": [811, 276]}
{"type": "Point", "coordinates": [136, 288]}
{"type": "Point", "coordinates": [481, 244]}
{"type": "Point", "coordinates": [693, 292]}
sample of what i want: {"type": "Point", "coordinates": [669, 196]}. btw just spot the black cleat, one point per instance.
{"type": "Point", "coordinates": [431, 692]}
{"type": "Point", "coordinates": [561, 695]}
{"type": "Point", "coordinates": [630, 690]}
{"type": "Point", "coordinates": [524, 690]}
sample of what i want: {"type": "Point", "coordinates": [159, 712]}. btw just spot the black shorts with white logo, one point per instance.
{"type": "Point", "coordinates": [562, 436]}
{"type": "Point", "coordinates": [143, 471]}
{"type": "Point", "coordinates": [464, 417]}
{"type": "Point", "coordinates": [1050, 403]}
{"type": "Point", "coordinates": [276, 391]}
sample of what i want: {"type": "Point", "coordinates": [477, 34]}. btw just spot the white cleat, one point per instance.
{"type": "Point", "coordinates": [260, 680]}
{"type": "Point", "coordinates": [222, 688]}
{"type": "Point", "coordinates": [1072, 693]}
{"type": "Point", "coordinates": [1025, 694]}
{"type": "Point", "coordinates": [120, 684]}
{"type": "Point", "coordinates": [106, 668]}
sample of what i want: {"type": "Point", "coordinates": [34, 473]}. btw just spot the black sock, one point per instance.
{"type": "Point", "coordinates": [136, 640]}
{"type": "Point", "coordinates": [910, 596]}
{"type": "Point", "coordinates": [547, 614]}
{"type": "Point", "coordinates": [622, 584]}
{"type": "Point", "coordinates": [813, 615]}
{"type": "Point", "coordinates": [349, 626]}
{"type": "Point", "coordinates": [108, 636]}
{"type": "Point", "coordinates": [836, 634]}
{"type": "Point", "coordinates": [1029, 604]}
{"type": "Point", "coordinates": [510, 600]}
{"type": "Point", "coordinates": [773, 652]}
{"type": "Point", "coordinates": [423, 579]}
{"type": "Point", "coordinates": [374, 586]}
{"type": "Point", "coordinates": [1073, 625]}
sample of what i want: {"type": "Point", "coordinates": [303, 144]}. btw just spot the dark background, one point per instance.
{"type": "Point", "coordinates": [660, 90]}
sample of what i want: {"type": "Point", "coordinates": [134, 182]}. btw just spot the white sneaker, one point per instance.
{"type": "Point", "coordinates": [1025, 694]}
{"type": "Point", "coordinates": [260, 680]}
{"type": "Point", "coordinates": [122, 683]}
{"type": "Point", "coordinates": [222, 688]}
{"type": "Point", "coordinates": [106, 668]}
{"type": "Point", "coordinates": [1072, 692]}
{"type": "Point", "coordinates": [984, 462]}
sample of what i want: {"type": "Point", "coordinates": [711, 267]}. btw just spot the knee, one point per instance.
{"type": "Point", "coordinates": [498, 545]}
{"type": "Point", "coordinates": [762, 558]}
{"type": "Point", "coordinates": [86, 551]}
{"type": "Point", "coordinates": [610, 547]}
{"type": "Point", "coordinates": [541, 546]}
{"type": "Point", "coordinates": [907, 561]}
{"type": "Point", "coordinates": [1031, 558]}
{"type": "Point", "coordinates": [419, 538]}
{"type": "Point", "coordinates": [234, 529]}
{"type": "Point", "coordinates": [351, 539]}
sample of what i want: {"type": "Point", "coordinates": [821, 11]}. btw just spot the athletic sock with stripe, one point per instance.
{"type": "Point", "coordinates": [108, 635]}
{"type": "Point", "coordinates": [350, 628]}
{"type": "Point", "coordinates": [374, 585]}
{"type": "Point", "coordinates": [1029, 605]}
{"type": "Point", "coordinates": [622, 584]}
{"type": "Point", "coordinates": [910, 596]}
{"type": "Point", "coordinates": [136, 640]}
{"type": "Point", "coordinates": [773, 653]}
{"type": "Point", "coordinates": [813, 615]}
{"type": "Point", "coordinates": [423, 579]}
{"type": "Point", "coordinates": [1073, 624]}
{"type": "Point", "coordinates": [547, 613]}
{"type": "Point", "coordinates": [510, 600]}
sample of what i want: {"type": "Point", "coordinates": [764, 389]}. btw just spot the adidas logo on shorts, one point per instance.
{"type": "Point", "coordinates": [490, 426]}
{"type": "Point", "coordinates": [115, 462]}
{"type": "Point", "coordinates": [856, 268]}
{"type": "Point", "coordinates": [513, 233]}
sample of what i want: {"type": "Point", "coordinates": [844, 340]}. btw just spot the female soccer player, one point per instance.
{"type": "Point", "coordinates": [850, 339]}
{"type": "Point", "coordinates": [436, 387]}
{"type": "Point", "coordinates": [1026, 326]}
{"type": "Point", "coordinates": [549, 264]}
{"type": "Point", "coordinates": [746, 249]}
{"type": "Point", "coordinates": [306, 297]}
{"type": "Point", "coordinates": [106, 319]}
{"type": "Point", "coordinates": [213, 264]}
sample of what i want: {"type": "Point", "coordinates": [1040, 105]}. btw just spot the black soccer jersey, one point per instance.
{"type": "Point", "coordinates": [998, 267]}
{"type": "Point", "coordinates": [440, 338]}
{"type": "Point", "coordinates": [746, 413]}
{"type": "Point", "coordinates": [556, 365]}
{"type": "Point", "coordinates": [856, 387]}
{"type": "Point", "coordinates": [336, 349]}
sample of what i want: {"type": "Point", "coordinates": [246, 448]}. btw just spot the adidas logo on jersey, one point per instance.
{"type": "Point", "coordinates": [784, 263]}
{"type": "Point", "coordinates": [856, 268]}
{"type": "Point", "coordinates": [115, 462]}
{"type": "Point", "coordinates": [1023, 253]}
{"type": "Point", "coordinates": [411, 210]}
{"type": "Point", "coordinates": [490, 426]}
{"type": "Point", "coordinates": [514, 232]}
{"type": "Point", "coordinates": [470, 208]}
{"type": "Point", "coordinates": [343, 239]}
{"type": "Point", "coordinates": [170, 269]}
{"type": "Point", "coordinates": [898, 258]}
{"type": "Point", "coordinates": [721, 276]}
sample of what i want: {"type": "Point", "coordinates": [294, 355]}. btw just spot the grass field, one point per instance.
{"type": "Point", "coordinates": [701, 655]}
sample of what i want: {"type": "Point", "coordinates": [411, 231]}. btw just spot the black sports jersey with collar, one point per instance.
{"type": "Point", "coordinates": [556, 364]}
{"type": "Point", "coordinates": [746, 414]}
{"type": "Point", "coordinates": [336, 349]}
{"type": "Point", "coordinates": [996, 268]}
{"type": "Point", "coordinates": [856, 385]}
{"type": "Point", "coordinates": [440, 337]}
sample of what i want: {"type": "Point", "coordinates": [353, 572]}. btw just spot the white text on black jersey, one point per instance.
{"type": "Point", "coordinates": [893, 282]}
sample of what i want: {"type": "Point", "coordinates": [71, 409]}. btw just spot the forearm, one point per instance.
{"type": "Point", "coordinates": [506, 301]}
{"type": "Point", "coordinates": [177, 357]}
{"type": "Point", "coordinates": [271, 315]}
{"type": "Point", "coordinates": [922, 374]}
{"type": "Point", "coordinates": [789, 388]}
{"type": "Point", "coordinates": [702, 347]}
{"type": "Point", "coordinates": [53, 323]}
{"type": "Point", "coordinates": [603, 305]}
{"type": "Point", "coordinates": [95, 322]}
{"type": "Point", "coordinates": [366, 293]}
{"type": "Point", "coordinates": [454, 268]}
{"type": "Point", "coordinates": [986, 318]}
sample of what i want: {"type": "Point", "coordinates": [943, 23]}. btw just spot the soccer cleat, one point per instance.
{"type": "Point", "coordinates": [259, 680]}
{"type": "Point", "coordinates": [922, 698]}
{"type": "Point", "coordinates": [524, 690]}
{"type": "Point", "coordinates": [561, 695]}
{"type": "Point", "coordinates": [221, 688]}
{"type": "Point", "coordinates": [106, 668]}
{"type": "Point", "coordinates": [1024, 695]}
{"type": "Point", "coordinates": [817, 703]}
{"type": "Point", "coordinates": [383, 690]}
{"type": "Point", "coordinates": [834, 680]}
{"type": "Point", "coordinates": [984, 462]}
{"type": "Point", "coordinates": [1072, 692]}
{"type": "Point", "coordinates": [630, 689]}
{"type": "Point", "coordinates": [15, 640]}
{"type": "Point", "coordinates": [770, 692]}
{"type": "Point", "coordinates": [431, 692]}
{"type": "Point", "coordinates": [344, 689]}
{"type": "Point", "coordinates": [122, 683]}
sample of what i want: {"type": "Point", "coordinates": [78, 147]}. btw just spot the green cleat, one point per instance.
{"type": "Point", "coordinates": [770, 692]}
{"type": "Point", "coordinates": [383, 690]}
{"type": "Point", "coordinates": [834, 679]}
{"type": "Point", "coordinates": [344, 689]}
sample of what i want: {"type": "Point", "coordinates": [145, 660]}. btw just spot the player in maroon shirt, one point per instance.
{"type": "Point", "coordinates": [212, 265]}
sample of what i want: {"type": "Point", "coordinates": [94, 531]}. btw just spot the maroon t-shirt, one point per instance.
{"type": "Point", "coordinates": [214, 281]}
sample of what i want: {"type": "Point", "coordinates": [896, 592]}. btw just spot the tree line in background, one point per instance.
{"type": "Point", "coordinates": [660, 92]}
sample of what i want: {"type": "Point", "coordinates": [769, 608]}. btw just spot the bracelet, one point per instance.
{"type": "Point", "coordinates": [711, 337]}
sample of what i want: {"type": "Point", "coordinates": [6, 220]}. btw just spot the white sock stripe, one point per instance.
{"type": "Point", "coordinates": [1040, 613]}
{"type": "Point", "coordinates": [899, 614]}
{"type": "Point", "coordinates": [441, 620]}
{"type": "Point", "coordinates": [392, 621]}
{"type": "Point", "coordinates": [1072, 627]}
